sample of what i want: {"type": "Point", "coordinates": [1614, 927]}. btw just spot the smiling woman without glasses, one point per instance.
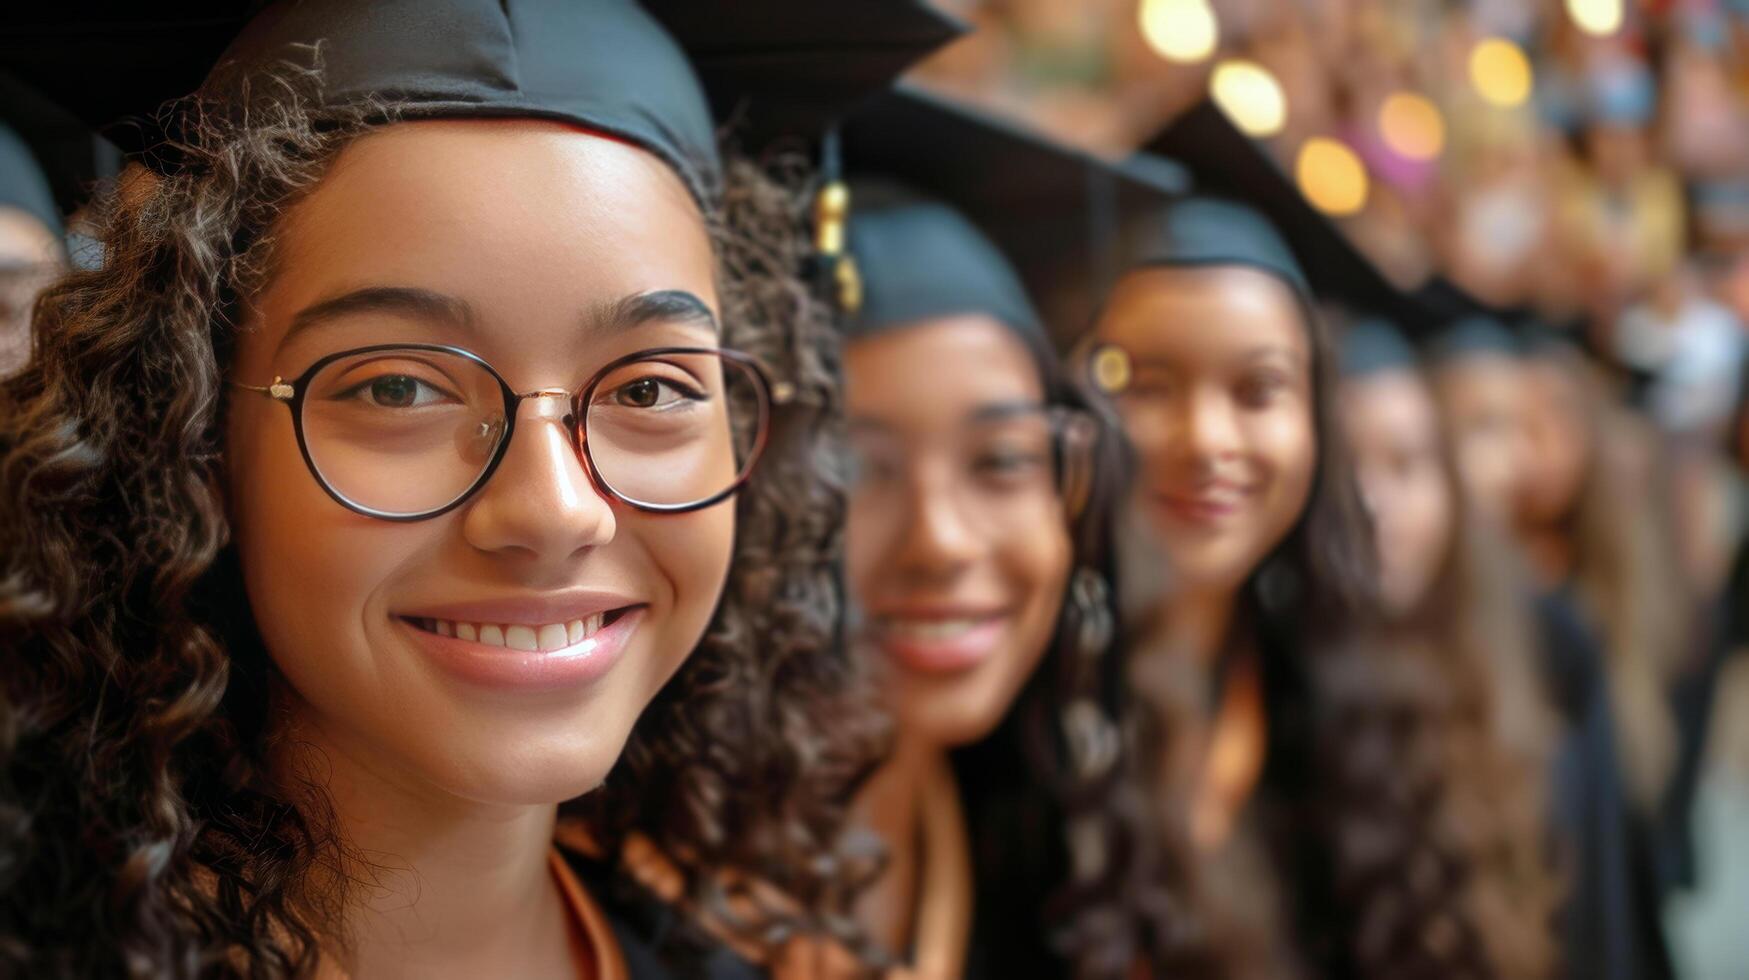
{"type": "Point", "coordinates": [394, 467]}
{"type": "Point", "coordinates": [1274, 732]}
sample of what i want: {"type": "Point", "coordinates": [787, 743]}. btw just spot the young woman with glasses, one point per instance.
{"type": "Point", "coordinates": [433, 467]}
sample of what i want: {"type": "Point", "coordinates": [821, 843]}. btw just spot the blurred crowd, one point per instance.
{"type": "Point", "coordinates": [1599, 217]}
{"type": "Point", "coordinates": [1543, 399]}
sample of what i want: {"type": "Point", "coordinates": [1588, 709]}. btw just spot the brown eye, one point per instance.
{"type": "Point", "coordinates": [394, 391]}
{"type": "Point", "coordinates": [653, 392]}
{"type": "Point", "coordinates": [1258, 390]}
{"type": "Point", "coordinates": [397, 391]}
{"type": "Point", "coordinates": [640, 394]}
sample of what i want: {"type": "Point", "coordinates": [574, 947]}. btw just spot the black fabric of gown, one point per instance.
{"type": "Point", "coordinates": [1610, 922]}
{"type": "Point", "coordinates": [1015, 833]}
{"type": "Point", "coordinates": [655, 940]}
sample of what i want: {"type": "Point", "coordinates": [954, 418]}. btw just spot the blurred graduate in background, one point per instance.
{"type": "Point", "coordinates": [1318, 758]}
{"type": "Point", "coordinates": [979, 555]}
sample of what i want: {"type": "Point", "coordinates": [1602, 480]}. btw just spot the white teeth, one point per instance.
{"type": "Point", "coordinates": [930, 629]}
{"type": "Point", "coordinates": [552, 637]}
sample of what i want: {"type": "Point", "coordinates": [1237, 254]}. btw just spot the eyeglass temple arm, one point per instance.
{"type": "Point", "coordinates": [280, 391]}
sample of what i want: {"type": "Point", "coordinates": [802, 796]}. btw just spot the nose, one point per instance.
{"type": "Point", "coordinates": [935, 537]}
{"type": "Point", "coordinates": [1208, 427]}
{"type": "Point", "coordinates": [540, 505]}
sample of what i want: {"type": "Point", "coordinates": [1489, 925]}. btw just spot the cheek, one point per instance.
{"type": "Point", "coordinates": [1424, 524]}
{"type": "Point", "coordinates": [1285, 449]}
{"type": "Point", "coordinates": [692, 553]}
{"type": "Point", "coordinates": [1037, 565]}
{"type": "Point", "coordinates": [862, 551]}
{"type": "Point", "coordinates": [310, 565]}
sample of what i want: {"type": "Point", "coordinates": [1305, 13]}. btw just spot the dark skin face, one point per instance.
{"type": "Point", "coordinates": [30, 259]}
{"type": "Point", "coordinates": [1393, 430]}
{"type": "Point", "coordinates": [1219, 408]}
{"type": "Point", "coordinates": [1557, 443]}
{"type": "Point", "coordinates": [569, 228]}
{"type": "Point", "coordinates": [1482, 396]}
{"type": "Point", "coordinates": [444, 757]}
{"type": "Point", "coordinates": [958, 549]}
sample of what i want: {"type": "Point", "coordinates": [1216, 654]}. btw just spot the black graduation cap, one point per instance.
{"type": "Point", "coordinates": [917, 258]}
{"type": "Point", "coordinates": [1049, 208]}
{"type": "Point", "coordinates": [1230, 165]}
{"type": "Point", "coordinates": [597, 62]}
{"type": "Point", "coordinates": [1374, 345]}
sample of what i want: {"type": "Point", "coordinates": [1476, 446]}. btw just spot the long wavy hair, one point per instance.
{"type": "Point", "coordinates": [1370, 858]}
{"type": "Point", "coordinates": [1043, 789]}
{"type": "Point", "coordinates": [1626, 576]}
{"type": "Point", "coordinates": [141, 832]}
{"type": "Point", "coordinates": [1437, 745]}
{"type": "Point", "coordinates": [1315, 590]}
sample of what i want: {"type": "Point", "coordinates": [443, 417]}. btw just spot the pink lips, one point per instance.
{"type": "Point", "coordinates": [503, 668]}
{"type": "Point", "coordinates": [1206, 506]}
{"type": "Point", "coordinates": [942, 646]}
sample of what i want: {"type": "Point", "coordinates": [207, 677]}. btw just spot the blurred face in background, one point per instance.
{"type": "Point", "coordinates": [1480, 394]}
{"type": "Point", "coordinates": [958, 547]}
{"type": "Point", "coordinates": [30, 259]}
{"type": "Point", "coordinates": [1219, 407]}
{"type": "Point", "coordinates": [1393, 429]}
{"type": "Point", "coordinates": [1558, 444]}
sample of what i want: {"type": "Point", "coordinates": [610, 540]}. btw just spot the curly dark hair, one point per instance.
{"type": "Point", "coordinates": [1375, 855]}
{"type": "Point", "coordinates": [140, 831]}
{"type": "Point", "coordinates": [1042, 788]}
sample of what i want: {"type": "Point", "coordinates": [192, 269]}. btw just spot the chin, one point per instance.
{"type": "Point", "coordinates": [951, 719]}
{"type": "Point", "coordinates": [528, 775]}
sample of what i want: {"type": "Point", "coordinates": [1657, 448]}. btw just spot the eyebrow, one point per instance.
{"type": "Point", "coordinates": [656, 306]}
{"type": "Point", "coordinates": [403, 301]}
{"type": "Point", "coordinates": [985, 414]}
{"type": "Point", "coordinates": [413, 303]}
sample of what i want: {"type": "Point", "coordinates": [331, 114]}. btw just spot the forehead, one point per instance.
{"type": "Point", "coordinates": [1205, 308]}
{"type": "Point", "coordinates": [1396, 401]}
{"type": "Point", "coordinates": [1482, 378]}
{"type": "Point", "coordinates": [938, 370]}
{"type": "Point", "coordinates": [522, 219]}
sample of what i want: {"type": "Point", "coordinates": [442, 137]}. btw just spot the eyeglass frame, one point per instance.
{"type": "Point", "coordinates": [1075, 437]}
{"type": "Point", "coordinates": [291, 394]}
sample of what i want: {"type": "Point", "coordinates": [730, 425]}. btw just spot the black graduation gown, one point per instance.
{"type": "Point", "coordinates": [1610, 923]}
{"type": "Point", "coordinates": [655, 941]}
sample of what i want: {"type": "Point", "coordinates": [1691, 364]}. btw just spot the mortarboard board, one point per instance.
{"type": "Point", "coordinates": [1044, 207]}
{"type": "Point", "coordinates": [1259, 218]}
{"type": "Point", "coordinates": [605, 64]}
{"type": "Point", "coordinates": [920, 259]}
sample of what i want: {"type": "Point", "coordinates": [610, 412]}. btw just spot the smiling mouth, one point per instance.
{"type": "Point", "coordinates": [932, 630]}
{"type": "Point", "coordinates": [524, 637]}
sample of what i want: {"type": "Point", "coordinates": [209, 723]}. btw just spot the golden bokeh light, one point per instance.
{"type": "Point", "coordinates": [1180, 30]}
{"type": "Point", "coordinates": [1500, 72]}
{"type": "Point", "coordinates": [1250, 96]}
{"type": "Point", "coordinates": [1412, 126]}
{"type": "Point", "coordinates": [1331, 176]}
{"type": "Point", "coordinates": [1599, 17]}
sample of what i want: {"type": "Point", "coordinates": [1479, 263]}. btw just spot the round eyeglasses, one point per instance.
{"type": "Point", "coordinates": [405, 432]}
{"type": "Point", "coordinates": [1003, 472]}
